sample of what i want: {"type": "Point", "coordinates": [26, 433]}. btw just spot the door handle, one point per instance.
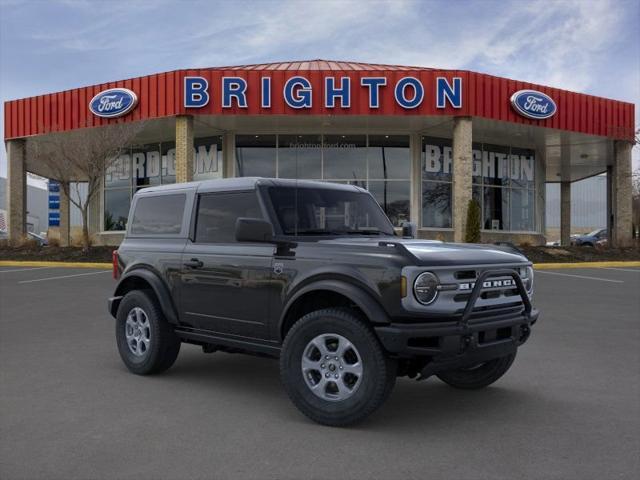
{"type": "Point", "coordinates": [194, 263]}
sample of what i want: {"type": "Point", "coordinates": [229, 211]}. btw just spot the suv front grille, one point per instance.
{"type": "Point", "coordinates": [458, 283]}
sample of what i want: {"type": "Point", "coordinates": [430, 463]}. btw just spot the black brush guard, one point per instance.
{"type": "Point", "coordinates": [469, 340]}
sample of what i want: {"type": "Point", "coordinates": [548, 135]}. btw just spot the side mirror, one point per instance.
{"type": "Point", "coordinates": [409, 230]}
{"type": "Point", "coordinates": [253, 230]}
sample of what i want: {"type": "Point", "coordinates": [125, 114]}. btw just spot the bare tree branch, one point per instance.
{"type": "Point", "coordinates": [83, 155]}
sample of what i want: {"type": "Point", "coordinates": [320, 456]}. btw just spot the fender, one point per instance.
{"type": "Point", "coordinates": [371, 308]}
{"type": "Point", "coordinates": [158, 287]}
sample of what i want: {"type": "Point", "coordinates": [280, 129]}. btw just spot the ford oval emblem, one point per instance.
{"type": "Point", "coordinates": [114, 102]}
{"type": "Point", "coordinates": [533, 104]}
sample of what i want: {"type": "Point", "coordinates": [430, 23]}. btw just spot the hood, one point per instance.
{"type": "Point", "coordinates": [436, 253]}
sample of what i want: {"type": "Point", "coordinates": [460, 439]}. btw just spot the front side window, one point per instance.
{"type": "Point", "coordinates": [218, 212]}
{"type": "Point", "coordinates": [324, 211]}
{"type": "Point", "coordinates": [158, 215]}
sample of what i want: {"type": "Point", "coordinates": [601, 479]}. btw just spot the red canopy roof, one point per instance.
{"type": "Point", "coordinates": [161, 95]}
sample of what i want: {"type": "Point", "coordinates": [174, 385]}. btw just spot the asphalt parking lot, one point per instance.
{"type": "Point", "coordinates": [569, 408]}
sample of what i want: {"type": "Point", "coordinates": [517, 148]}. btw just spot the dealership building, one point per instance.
{"type": "Point", "coordinates": [423, 141]}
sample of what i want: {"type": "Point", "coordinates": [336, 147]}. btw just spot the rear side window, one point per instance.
{"type": "Point", "coordinates": [218, 212]}
{"type": "Point", "coordinates": [158, 215]}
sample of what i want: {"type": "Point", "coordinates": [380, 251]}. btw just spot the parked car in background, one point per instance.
{"type": "Point", "coordinates": [590, 239]}
{"type": "Point", "coordinates": [40, 239]}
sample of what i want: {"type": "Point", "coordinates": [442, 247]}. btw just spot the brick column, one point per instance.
{"type": "Point", "coordinates": [565, 213]}
{"type": "Point", "coordinates": [228, 155]}
{"type": "Point", "coordinates": [184, 148]}
{"type": "Point", "coordinates": [416, 179]}
{"type": "Point", "coordinates": [16, 191]}
{"type": "Point", "coordinates": [462, 174]}
{"type": "Point", "coordinates": [65, 216]}
{"type": "Point", "coordinates": [621, 184]}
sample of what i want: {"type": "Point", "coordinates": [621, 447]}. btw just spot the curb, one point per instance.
{"type": "Point", "coordinates": [549, 266]}
{"type": "Point", "coordinates": [28, 263]}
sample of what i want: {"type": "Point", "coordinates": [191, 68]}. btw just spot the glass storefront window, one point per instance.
{"type": "Point", "coordinates": [344, 157]}
{"type": "Point", "coordinates": [207, 161]}
{"type": "Point", "coordinates": [436, 204]}
{"type": "Point", "coordinates": [522, 210]}
{"type": "Point", "coordinates": [381, 163]}
{"type": "Point", "coordinates": [300, 156]}
{"type": "Point", "coordinates": [436, 159]}
{"type": "Point", "coordinates": [168, 162]}
{"type": "Point", "coordinates": [389, 157]}
{"type": "Point", "coordinates": [522, 163]}
{"type": "Point", "coordinates": [394, 198]}
{"type": "Point", "coordinates": [495, 165]}
{"type": "Point", "coordinates": [142, 166]}
{"type": "Point", "coordinates": [256, 155]}
{"type": "Point", "coordinates": [116, 208]}
{"type": "Point", "coordinates": [146, 164]}
{"type": "Point", "coordinates": [436, 174]}
{"type": "Point", "coordinates": [503, 185]}
{"type": "Point", "coordinates": [496, 208]}
{"type": "Point", "coordinates": [118, 174]}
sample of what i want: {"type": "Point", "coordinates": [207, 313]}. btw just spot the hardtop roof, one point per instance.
{"type": "Point", "coordinates": [243, 183]}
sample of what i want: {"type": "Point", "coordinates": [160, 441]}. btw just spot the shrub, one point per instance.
{"type": "Point", "coordinates": [472, 235]}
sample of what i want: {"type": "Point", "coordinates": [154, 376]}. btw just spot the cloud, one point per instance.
{"type": "Point", "coordinates": [583, 45]}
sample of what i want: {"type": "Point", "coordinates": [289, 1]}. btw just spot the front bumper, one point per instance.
{"type": "Point", "coordinates": [438, 340]}
{"type": "Point", "coordinates": [472, 337]}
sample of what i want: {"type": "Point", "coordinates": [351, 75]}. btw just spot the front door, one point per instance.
{"type": "Point", "coordinates": [226, 286]}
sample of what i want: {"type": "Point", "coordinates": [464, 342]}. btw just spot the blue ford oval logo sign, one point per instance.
{"type": "Point", "coordinates": [114, 102]}
{"type": "Point", "coordinates": [533, 104]}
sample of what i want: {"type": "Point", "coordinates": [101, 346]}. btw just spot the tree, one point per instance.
{"type": "Point", "coordinates": [82, 156]}
{"type": "Point", "coordinates": [472, 233]}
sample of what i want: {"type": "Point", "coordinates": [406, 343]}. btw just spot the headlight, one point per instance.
{"type": "Point", "coordinates": [425, 288]}
{"type": "Point", "coordinates": [530, 279]}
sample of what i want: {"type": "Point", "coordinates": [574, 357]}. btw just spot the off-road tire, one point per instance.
{"type": "Point", "coordinates": [479, 376]}
{"type": "Point", "coordinates": [164, 344]}
{"type": "Point", "coordinates": [379, 371]}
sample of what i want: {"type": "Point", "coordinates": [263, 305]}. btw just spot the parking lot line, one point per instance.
{"type": "Point", "coordinates": [580, 276]}
{"type": "Point", "coordinates": [24, 269]}
{"type": "Point", "coordinates": [622, 269]}
{"type": "Point", "coordinates": [63, 276]}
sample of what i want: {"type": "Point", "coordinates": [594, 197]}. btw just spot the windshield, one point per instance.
{"type": "Point", "coordinates": [594, 233]}
{"type": "Point", "coordinates": [328, 211]}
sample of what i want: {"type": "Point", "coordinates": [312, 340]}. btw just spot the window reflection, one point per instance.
{"type": "Point", "coordinates": [300, 156]}
{"type": "Point", "coordinates": [436, 204]}
{"type": "Point", "coordinates": [389, 157]}
{"type": "Point", "coordinates": [345, 157]}
{"type": "Point", "coordinates": [116, 209]}
{"type": "Point", "coordinates": [256, 155]}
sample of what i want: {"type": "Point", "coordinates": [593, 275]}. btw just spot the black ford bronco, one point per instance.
{"type": "Point", "coordinates": [313, 273]}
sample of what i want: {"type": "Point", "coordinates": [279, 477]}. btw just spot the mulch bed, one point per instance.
{"type": "Point", "coordinates": [580, 254]}
{"type": "Point", "coordinates": [56, 254]}
{"type": "Point", "coordinates": [535, 254]}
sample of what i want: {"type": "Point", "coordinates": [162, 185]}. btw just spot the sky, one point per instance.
{"type": "Point", "coordinates": [581, 45]}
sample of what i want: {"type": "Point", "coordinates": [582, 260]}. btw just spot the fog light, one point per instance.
{"type": "Point", "coordinates": [425, 288]}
